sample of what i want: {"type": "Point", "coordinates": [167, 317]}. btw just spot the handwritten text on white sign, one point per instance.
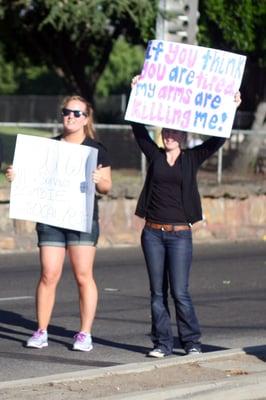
{"type": "Point", "coordinates": [53, 183]}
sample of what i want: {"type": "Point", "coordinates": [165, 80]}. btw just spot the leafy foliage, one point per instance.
{"type": "Point", "coordinates": [73, 37]}
{"type": "Point", "coordinates": [234, 25]}
{"type": "Point", "coordinates": [88, 45]}
{"type": "Point", "coordinates": [125, 61]}
{"type": "Point", "coordinates": [7, 73]}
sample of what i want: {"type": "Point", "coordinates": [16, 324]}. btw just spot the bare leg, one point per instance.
{"type": "Point", "coordinates": [82, 260]}
{"type": "Point", "coordinates": [52, 260]}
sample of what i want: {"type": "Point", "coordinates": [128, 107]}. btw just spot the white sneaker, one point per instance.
{"type": "Point", "coordinates": [82, 342]}
{"type": "Point", "coordinates": [157, 353]}
{"type": "Point", "coordinates": [193, 351]}
{"type": "Point", "coordinates": [38, 340]}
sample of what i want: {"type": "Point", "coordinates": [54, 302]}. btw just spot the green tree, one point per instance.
{"type": "Point", "coordinates": [125, 61]}
{"type": "Point", "coordinates": [8, 83]}
{"type": "Point", "coordinates": [38, 79]}
{"type": "Point", "coordinates": [239, 26]}
{"type": "Point", "coordinates": [74, 38]}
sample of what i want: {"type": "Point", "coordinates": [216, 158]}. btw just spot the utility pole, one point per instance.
{"type": "Point", "coordinates": [177, 21]}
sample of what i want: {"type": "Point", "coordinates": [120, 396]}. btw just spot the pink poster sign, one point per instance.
{"type": "Point", "coordinates": [187, 87]}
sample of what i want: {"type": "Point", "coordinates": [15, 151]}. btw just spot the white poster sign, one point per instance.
{"type": "Point", "coordinates": [53, 183]}
{"type": "Point", "coordinates": [187, 87]}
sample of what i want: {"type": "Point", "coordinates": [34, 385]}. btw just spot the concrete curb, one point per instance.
{"type": "Point", "coordinates": [251, 388]}
{"type": "Point", "coordinates": [131, 368]}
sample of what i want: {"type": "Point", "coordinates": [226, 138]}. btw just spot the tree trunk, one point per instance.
{"type": "Point", "coordinates": [248, 151]}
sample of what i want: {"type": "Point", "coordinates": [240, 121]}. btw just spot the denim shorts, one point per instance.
{"type": "Point", "coordinates": [60, 237]}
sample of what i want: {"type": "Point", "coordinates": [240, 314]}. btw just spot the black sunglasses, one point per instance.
{"type": "Point", "coordinates": [77, 113]}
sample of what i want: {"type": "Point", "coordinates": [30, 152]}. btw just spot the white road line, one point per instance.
{"type": "Point", "coordinates": [16, 298]}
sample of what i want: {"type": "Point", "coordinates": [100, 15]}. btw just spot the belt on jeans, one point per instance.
{"type": "Point", "coordinates": [167, 227]}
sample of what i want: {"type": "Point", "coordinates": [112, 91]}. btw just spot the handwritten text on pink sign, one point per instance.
{"type": "Point", "coordinates": [187, 87]}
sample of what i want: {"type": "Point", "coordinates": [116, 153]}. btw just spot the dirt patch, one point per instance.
{"type": "Point", "coordinates": [113, 384]}
{"type": "Point", "coordinates": [157, 376]}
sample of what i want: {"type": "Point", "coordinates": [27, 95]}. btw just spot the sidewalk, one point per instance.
{"type": "Point", "coordinates": [238, 374]}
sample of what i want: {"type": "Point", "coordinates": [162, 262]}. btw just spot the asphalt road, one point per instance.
{"type": "Point", "coordinates": [228, 285]}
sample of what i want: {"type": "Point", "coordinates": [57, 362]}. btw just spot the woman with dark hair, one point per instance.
{"type": "Point", "coordinates": [170, 203]}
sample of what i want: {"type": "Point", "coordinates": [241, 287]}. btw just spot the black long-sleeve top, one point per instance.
{"type": "Point", "coordinates": [188, 204]}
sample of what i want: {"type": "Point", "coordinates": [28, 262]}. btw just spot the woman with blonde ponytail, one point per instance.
{"type": "Point", "coordinates": [54, 241]}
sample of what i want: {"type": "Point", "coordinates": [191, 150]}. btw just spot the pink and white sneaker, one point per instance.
{"type": "Point", "coordinates": [83, 342]}
{"type": "Point", "coordinates": [38, 340]}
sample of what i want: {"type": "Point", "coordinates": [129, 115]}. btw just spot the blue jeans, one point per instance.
{"type": "Point", "coordinates": [168, 257]}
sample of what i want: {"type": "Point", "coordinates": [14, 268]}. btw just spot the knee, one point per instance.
{"type": "Point", "coordinates": [181, 296]}
{"type": "Point", "coordinates": [50, 278]}
{"type": "Point", "coordinates": [83, 280]}
{"type": "Point", "coordinates": [157, 298]}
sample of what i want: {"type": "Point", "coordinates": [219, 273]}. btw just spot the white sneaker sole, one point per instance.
{"type": "Point", "coordinates": [77, 348]}
{"type": "Point", "coordinates": [155, 355]}
{"type": "Point", "coordinates": [35, 346]}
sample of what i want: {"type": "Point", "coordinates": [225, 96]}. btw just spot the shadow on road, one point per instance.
{"type": "Point", "coordinates": [257, 351]}
{"type": "Point", "coordinates": [15, 320]}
